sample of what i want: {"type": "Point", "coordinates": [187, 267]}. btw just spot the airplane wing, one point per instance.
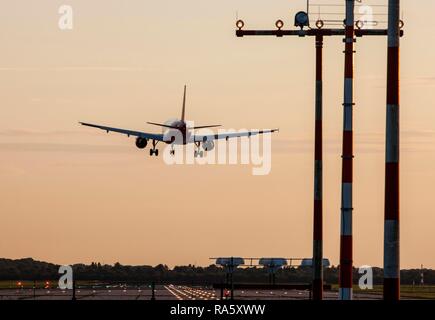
{"type": "Point", "coordinates": [230, 135]}
{"type": "Point", "coordinates": [145, 135]}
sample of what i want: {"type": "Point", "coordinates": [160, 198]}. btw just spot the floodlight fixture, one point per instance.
{"type": "Point", "coordinates": [320, 24]}
{"type": "Point", "coordinates": [240, 24]}
{"type": "Point", "coordinates": [302, 20]}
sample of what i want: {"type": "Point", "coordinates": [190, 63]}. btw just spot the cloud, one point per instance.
{"type": "Point", "coordinates": [35, 133]}
{"type": "Point", "coordinates": [419, 81]}
{"type": "Point", "coordinates": [75, 68]}
{"type": "Point", "coordinates": [58, 147]}
{"type": "Point", "coordinates": [404, 81]}
{"type": "Point", "coordinates": [418, 134]}
{"type": "Point", "coordinates": [371, 142]}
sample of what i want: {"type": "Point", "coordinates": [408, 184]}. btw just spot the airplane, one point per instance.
{"type": "Point", "coordinates": [174, 129]}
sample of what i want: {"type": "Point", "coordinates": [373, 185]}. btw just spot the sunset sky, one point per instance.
{"type": "Point", "coordinates": [72, 194]}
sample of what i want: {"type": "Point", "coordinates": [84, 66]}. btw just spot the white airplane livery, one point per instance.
{"type": "Point", "coordinates": [179, 128]}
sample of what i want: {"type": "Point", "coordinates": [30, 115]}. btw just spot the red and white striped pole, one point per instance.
{"type": "Point", "coordinates": [318, 178]}
{"type": "Point", "coordinates": [391, 225]}
{"type": "Point", "coordinates": [345, 276]}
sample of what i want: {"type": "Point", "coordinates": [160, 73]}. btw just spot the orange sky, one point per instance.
{"type": "Point", "coordinates": [73, 194]}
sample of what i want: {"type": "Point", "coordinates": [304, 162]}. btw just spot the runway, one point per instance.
{"type": "Point", "coordinates": [166, 292]}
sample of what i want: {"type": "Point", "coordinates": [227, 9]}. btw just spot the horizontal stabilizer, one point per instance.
{"type": "Point", "coordinates": [162, 125]}
{"type": "Point", "coordinates": [210, 126]}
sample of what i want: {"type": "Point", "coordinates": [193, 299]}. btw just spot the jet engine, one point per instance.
{"type": "Point", "coordinates": [208, 145]}
{"type": "Point", "coordinates": [141, 143]}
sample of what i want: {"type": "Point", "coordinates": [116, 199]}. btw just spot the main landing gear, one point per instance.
{"type": "Point", "coordinates": [172, 152]}
{"type": "Point", "coordinates": [154, 151]}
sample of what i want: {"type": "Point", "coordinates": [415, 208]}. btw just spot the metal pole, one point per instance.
{"type": "Point", "coordinates": [318, 178]}
{"type": "Point", "coordinates": [232, 287]}
{"type": "Point", "coordinates": [74, 290]}
{"type": "Point", "coordinates": [153, 291]}
{"type": "Point", "coordinates": [421, 276]}
{"type": "Point", "coordinates": [346, 255]}
{"type": "Point", "coordinates": [391, 225]}
{"type": "Point", "coordinates": [345, 286]}
{"type": "Point", "coordinates": [232, 280]}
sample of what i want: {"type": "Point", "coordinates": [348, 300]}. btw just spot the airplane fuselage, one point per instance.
{"type": "Point", "coordinates": [173, 135]}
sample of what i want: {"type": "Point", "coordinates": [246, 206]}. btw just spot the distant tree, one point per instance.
{"type": "Point", "coordinates": [29, 269]}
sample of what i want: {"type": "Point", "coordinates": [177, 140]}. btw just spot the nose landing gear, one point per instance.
{"type": "Point", "coordinates": [198, 152]}
{"type": "Point", "coordinates": [154, 151]}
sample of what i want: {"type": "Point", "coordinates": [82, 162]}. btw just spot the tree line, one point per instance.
{"type": "Point", "coordinates": [29, 269]}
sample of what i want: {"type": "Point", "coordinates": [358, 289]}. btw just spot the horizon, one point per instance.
{"type": "Point", "coordinates": [171, 267]}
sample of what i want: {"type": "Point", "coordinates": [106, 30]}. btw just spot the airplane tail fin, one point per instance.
{"type": "Point", "coordinates": [184, 104]}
